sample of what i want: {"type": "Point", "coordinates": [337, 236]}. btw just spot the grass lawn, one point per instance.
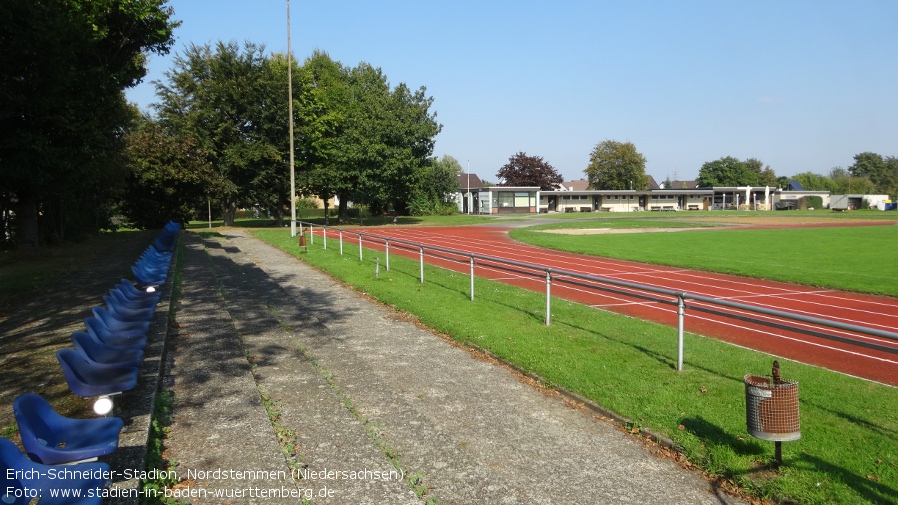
{"type": "Point", "coordinates": [848, 451]}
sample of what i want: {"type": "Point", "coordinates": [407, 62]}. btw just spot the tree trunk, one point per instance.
{"type": "Point", "coordinates": [26, 223]}
{"type": "Point", "coordinates": [343, 212]}
{"type": "Point", "coordinates": [228, 213]}
{"type": "Point", "coordinates": [279, 213]}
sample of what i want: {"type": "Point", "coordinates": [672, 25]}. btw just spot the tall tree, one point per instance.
{"type": "Point", "coordinates": [385, 136]}
{"type": "Point", "coordinates": [765, 175]}
{"type": "Point", "coordinates": [616, 166]}
{"type": "Point", "coordinates": [320, 104]}
{"type": "Point", "coordinates": [843, 183]}
{"type": "Point", "coordinates": [888, 183]}
{"type": "Point", "coordinates": [814, 182]}
{"type": "Point", "coordinates": [62, 109]}
{"type": "Point", "coordinates": [270, 185]}
{"type": "Point", "coordinates": [523, 170]}
{"type": "Point", "coordinates": [867, 164]}
{"type": "Point", "coordinates": [361, 150]}
{"type": "Point", "coordinates": [170, 177]}
{"type": "Point", "coordinates": [215, 96]}
{"type": "Point", "coordinates": [728, 171]}
{"type": "Point", "coordinates": [882, 172]}
{"type": "Point", "coordinates": [435, 187]}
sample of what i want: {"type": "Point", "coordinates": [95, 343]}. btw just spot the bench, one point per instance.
{"type": "Point", "coordinates": [607, 209]}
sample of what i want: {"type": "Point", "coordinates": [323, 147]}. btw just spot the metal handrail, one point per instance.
{"type": "Point", "coordinates": [559, 275]}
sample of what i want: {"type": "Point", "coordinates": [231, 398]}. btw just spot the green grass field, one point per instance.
{"type": "Point", "coordinates": [847, 453]}
{"type": "Point", "coordinates": [863, 259]}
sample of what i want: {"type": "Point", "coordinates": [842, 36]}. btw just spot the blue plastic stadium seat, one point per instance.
{"type": "Point", "coordinates": [146, 279]}
{"type": "Point", "coordinates": [152, 265]}
{"type": "Point", "coordinates": [120, 326]}
{"type": "Point", "coordinates": [102, 333]}
{"type": "Point", "coordinates": [97, 351]}
{"type": "Point", "coordinates": [122, 312]}
{"type": "Point", "coordinates": [133, 293]}
{"type": "Point", "coordinates": [88, 379]}
{"type": "Point", "coordinates": [154, 257]}
{"type": "Point", "coordinates": [18, 474]}
{"type": "Point", "coordinates": [155, 253]}
{"type": "Point", "coordinates": [132, 303]}
{"type": "Point", "coordinates": [51, 438]}
{"type": "Point", "coordinates": [165, 241]}
{"type": "Point", "coordinates": [172, 227]}
{"type": "Point", "coordinates": [146, 269]}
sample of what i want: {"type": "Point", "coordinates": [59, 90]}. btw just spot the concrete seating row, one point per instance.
{"type": "Point", "coordinates": [105, 361]}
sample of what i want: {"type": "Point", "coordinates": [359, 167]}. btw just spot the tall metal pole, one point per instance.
{"type": "Point", "coordinates": [290, 113]}
{"type": "Point", "coordinates": [470, 200]}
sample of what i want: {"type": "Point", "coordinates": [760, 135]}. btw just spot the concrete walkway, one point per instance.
{"type": "Point", "coordinates": [289, 386]}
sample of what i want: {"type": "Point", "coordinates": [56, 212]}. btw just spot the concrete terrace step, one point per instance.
{"type": "Point", "coordinates": [353, 390]}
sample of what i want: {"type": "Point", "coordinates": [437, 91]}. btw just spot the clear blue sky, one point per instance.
{"type": "Point", "coordinates": [800, 85]}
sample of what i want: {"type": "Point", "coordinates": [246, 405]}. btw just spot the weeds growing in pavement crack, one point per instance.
{"type": "Point", "coordinates": [157, 465]}
{"type": "Point", "coordinates": [415, 480]}
{"type": "Point", "coordinates": [286, 437]}
{"type": "Point", "coordinates": [163, 469]}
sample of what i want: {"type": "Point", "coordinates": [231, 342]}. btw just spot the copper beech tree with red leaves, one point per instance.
{"type": "Point", "coordinates": [523, 170]}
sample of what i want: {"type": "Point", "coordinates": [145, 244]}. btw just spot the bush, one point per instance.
{"type": "Point", "coordinates": [432, 207]}
{"type": "Point", "coordinates": [307, 203]}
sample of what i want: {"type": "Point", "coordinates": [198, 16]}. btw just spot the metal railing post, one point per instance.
{"type": "Point", "coordinates": [387, 248]}
{"type": "Point", "coordinates": [300, 228]}
{"type": "Point", "coordinates": [341, 242]}
{"type": "Point", "coordinates": [681, 311]}
{"type": "Point", "coordinates": [360, 247]}
{"type": "Point", "coordinates": [324, 234]}
{"type": "Point", "coordinates": [421, 255]}
{"type": "Point", "coordinates": [548, 297]}
{"type": "Point", "coordinates": [472, 277]}
{"type": "Point", "coordinates": [311, 234]}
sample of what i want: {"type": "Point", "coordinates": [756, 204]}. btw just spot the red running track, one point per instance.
{"type": "Point", "coordinates": [850, 308]}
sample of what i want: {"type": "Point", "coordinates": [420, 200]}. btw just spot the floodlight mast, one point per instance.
{"type": "Point", "coordinates": [290, 113]}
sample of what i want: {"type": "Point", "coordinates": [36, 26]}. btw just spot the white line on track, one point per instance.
{"type": "Point", "coordinates": [800, 341]}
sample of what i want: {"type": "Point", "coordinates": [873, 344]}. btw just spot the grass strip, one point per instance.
{"type": "Point", "coordinates": [157, 465]}
{"type": "Point", "coordinates": [847, 453]}
{"type": "Point", "coordinates": [163, 470]}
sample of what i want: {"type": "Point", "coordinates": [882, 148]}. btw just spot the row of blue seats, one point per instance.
{"type": "Point", "coordinates": [105, 361]}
